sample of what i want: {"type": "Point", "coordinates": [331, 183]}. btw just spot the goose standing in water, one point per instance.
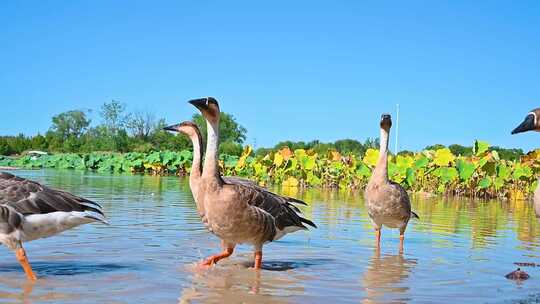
{"type": "Point", "coordinates": [30, 211]}
{"type": "Point", "coordinates": [236, 210]}
{"type": "Point", "coordinates": [387, 202]}
{"type": "Point", "coordinates": [532, 123]}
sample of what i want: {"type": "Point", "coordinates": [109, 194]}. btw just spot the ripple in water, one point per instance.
{"type": "Point", "coordinates": [459, 250]}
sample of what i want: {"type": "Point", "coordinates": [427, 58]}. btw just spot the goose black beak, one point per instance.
{"type": "Point", "coordinates": [386, 117]}
{"type": "Point", "coordinates": [200, 103]}
{"type": "Point", "coordinates": [527, 125]}
{"type": "Point", "coordinates": [173, 128]}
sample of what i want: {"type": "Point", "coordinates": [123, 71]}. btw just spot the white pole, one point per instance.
{"type": "Point", "coordinates": [397, 130]}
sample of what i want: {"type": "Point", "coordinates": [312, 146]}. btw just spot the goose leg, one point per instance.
{"type": "Point", "coordinates": [258, 259]}
{"type": "Point", "coordinates": [23, 260]}
{"type": "Point", "coordinates": [401, 239]}
{"type": "Point", "coordinates": [227, 252]}
{"type": "Point", "coordinates": [378, 237]}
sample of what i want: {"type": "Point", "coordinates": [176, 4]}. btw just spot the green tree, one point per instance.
{"type": "Point", "coordinates": [508, 154]}
{"type": "Point", "coordinates": [141, 124]}
{"type": "Point", "coordinates": [461, 150]}
{"type": "Point", "coordinates": [5, 149]}
{"type": "Point", "coordinates": [39, 142]}
{"type": "Point", "coordinates": [54, 141]}
{"type": "Point", "coordinates": [371, 143]}
{"type": "Point", "coordinates": [70, 123]}
{"type": "Point", "coordinates": [164, 140]}
{"type": "Point", "coordinates": [231, 148]}
{"type": "Point", "coordinates": [113, 116]}
{"type": "Point", "coordinates": [435, 147]}
{"type": "Point", "coordinates": [406, 153]}
{"type": "Point", "coordinates": [293, 145]}
{"type": "Point", "coordinates": [348, 146]}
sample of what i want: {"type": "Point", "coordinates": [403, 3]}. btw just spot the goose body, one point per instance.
{"type": "Point", "coordinates": [30, 211]}
{"type": "Point", "coordinates": [532, 123]}
{"type": "Point", "coordinates": [240, 212]}
{"type": "Point", "coordinates": [387, 202]}
{"type": "Point", "coordinates": [234, 209]}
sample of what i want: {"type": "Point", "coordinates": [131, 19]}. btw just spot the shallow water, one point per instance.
{"type": "Point", "coordinates": [459, 250]}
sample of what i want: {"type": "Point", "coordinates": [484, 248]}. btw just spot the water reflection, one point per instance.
{"type": "Point", "coordinates": [385, 276]}
{"type": "Point", "coordinates": [20, 290]}
{"type": "Point", "coordinates": [233, 283]}
{"type": "Point", "coordinates": [459, 249]}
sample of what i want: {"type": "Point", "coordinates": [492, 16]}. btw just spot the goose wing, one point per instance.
{"type": "Point", "coordinates": [402, 197]}
{"type": "Point", "coordinates": [282, 208]}
{"type": "Point", "coordinates": [231, 180]}
{"type": "Point", "coordinates": [28, 197]}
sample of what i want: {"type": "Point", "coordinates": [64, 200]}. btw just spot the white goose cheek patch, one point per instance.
{"type": "Point", "coordinates": [535, 118]}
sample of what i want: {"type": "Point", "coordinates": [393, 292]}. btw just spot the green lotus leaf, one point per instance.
{"type": "Point", "coordinates": [480, 147]}
{"type": "Point", "coordinates": [363, 171]}
{"type": "Point", "coordinates": [411, 177]}
{"type": "Point", "coordinates": [421, 162]}
{"type": "Point", "coordinates": [503, 171]}
{"type": "Point", "coordinates": [499, 183]}
{"type": "Point", "coordinates": [484, 183]}
{"type": "Point", "coordinates": [308, 162]}
{"type": "Point", "coordinates": [465, 169]}
{"type": "Point", "coordinates": [446, 174]}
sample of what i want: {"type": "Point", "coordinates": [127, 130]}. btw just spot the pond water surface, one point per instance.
{"type": "Point", "coordinates": [459, 250]}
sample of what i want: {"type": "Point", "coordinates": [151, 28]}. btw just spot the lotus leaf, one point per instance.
{"type": "Point", "coordinates": [480, 147]}
{"type": "Point", "coordinates": [371, 157]}
{"type": "Point", "coordinates": [443, 157]}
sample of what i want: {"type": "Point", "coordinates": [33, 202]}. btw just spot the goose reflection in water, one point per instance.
{"type": "Point", "coordinates": [22, 290]}
{"type": "Point", "coordinates": [234, 282]}
{"type": "Point", "coordinates": [383, 277]}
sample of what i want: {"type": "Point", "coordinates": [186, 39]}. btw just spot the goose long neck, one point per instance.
{"type": "Point", "coordinates": [210, 167]}
{"type": "Point", "coordinates": [381, 170]}
{"type": "Point", "coordinates": [196, 166]}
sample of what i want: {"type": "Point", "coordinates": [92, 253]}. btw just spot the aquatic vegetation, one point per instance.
{"type": "Point", "coordinates": [483, 174]}
{"type": "Point", "coordinates": [162, 162]}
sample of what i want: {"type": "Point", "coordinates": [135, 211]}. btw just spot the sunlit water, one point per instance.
{"type": "Point", "coordinates": [460, 250]}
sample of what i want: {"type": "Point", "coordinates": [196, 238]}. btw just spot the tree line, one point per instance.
{"type": "Point", "coordinates": [138, 131]}
{"type": "Point", "coordinates": [118, 131]}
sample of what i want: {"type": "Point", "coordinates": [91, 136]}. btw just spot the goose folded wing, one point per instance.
{"type": "Point", "coordinates": [234, 180]}
{"type": "Point", "coordinates": [29, 197]}
{"type": "Point", "coordinates": [282, 208]}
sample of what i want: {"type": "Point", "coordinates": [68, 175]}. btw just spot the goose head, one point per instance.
{"type": "Point", "coordinates": [530, 123]}
{"type": "Point", "coordinates": [386, 122]}
{"type": "Point", "coordinates": [209, 108]}
{"type": "Point", "coordinates": [187, 128]}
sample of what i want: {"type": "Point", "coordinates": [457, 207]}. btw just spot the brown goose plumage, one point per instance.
{"type": "Point", "coordinates": [235, 209]}
{"type": "Point", "coordinates": [29, 211]}
{"type": "Point", "coordinates": [387, 202]}
{"type": "Point", "coordinates": [532, 123]}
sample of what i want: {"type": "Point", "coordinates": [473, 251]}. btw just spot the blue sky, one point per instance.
{"type": "Point", "coordinates": [295, 70]}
